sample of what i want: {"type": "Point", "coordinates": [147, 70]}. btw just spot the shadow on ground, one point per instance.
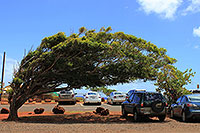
{"type": "Point", "coordinates": [188, 121]}
{"type": "Point", "coordinates": [84, 118]}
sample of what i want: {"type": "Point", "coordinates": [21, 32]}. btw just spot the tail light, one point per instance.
{"type": "Point", "coordinates": [99, 97]}
{"type": "Point", "coordinates": [86, 97]}
{"type": "Point", "coordinates": [189, 105]}
{"type": "Point", "coordinates": [126, 97]}
{"type": "Point", "coordinates": [115, 97]}
{"type": "Point", "coordinates": [166, 104]}
{"type": "Point", "coordinates": [141, 104]}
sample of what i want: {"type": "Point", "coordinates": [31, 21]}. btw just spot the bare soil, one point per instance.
{"type": "Point", "coordinates": [89, 122]}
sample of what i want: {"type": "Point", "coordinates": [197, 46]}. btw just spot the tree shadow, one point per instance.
{"type": "Point", "coordinates": [188, 121]}
{"type": "Point", "coordinates": [83, 118]}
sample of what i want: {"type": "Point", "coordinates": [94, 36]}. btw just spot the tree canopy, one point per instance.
{"type": "Point", "coordinates": [88, 58]}
{"type": "Point", "coordinates": [172, 82]}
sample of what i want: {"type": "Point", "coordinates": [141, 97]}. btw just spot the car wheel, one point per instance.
{"type": "Point", "coordinates": [172, 113]}
{"type": "Point", "coordinates": [124, 113]}
{"type": "Point", "coordinates": [161, 118]}
{"type": "Point", "coordinates": [184, 119]}
{"type": "Point", "coordinates": [136, 116]}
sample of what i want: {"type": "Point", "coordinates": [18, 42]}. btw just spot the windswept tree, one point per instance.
{"type": "Point", "coordinates": [172, 82]}
{"type": "Point", "coordinates": [88, 58]}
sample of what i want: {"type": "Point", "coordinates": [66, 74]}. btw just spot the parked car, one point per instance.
{"type": "Point", "coordinates": [146, 104]}
{"type": "Point", "coordinates": [186, 107]}
{"type": "Point", "coordinates": [116, 97]}
{"type": "Point", "coordinates": [67, 96]}
{"type": "Point", "coordinates": [92, 97]}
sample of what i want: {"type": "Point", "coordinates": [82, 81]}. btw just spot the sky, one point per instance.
{"type": "Point", "coordinates": [170, 24]}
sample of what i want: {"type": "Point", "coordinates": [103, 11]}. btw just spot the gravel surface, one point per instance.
{"type": "Point", "coordinates": [89, 122]}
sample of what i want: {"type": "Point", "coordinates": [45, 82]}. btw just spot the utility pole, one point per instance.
{"type": "Point", "coordinates": [2, 84]}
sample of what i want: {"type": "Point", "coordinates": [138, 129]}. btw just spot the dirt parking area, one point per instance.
{"type": "Point", "coordinates": [89, 122]}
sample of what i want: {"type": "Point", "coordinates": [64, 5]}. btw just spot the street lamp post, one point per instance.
{"type": "Point", "coordinates": [4, 55]}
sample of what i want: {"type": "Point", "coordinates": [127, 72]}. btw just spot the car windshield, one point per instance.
{"type": "Point", "coordinates": [118, 93]}
{"type": "Point", "coordinates": [194, 99]}
{"type": "Point", "coordinates": [153, 96]}
{"type": "Point", "coordinates": [92, 93]}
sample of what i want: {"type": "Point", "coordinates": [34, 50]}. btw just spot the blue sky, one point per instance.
{"type": "Point", "coordinates": [171, 24]}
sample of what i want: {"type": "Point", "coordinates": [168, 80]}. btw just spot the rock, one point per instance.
{"type": "Point", "coordinates": [30, 100]}
{"type": "Point", "coordinates": [4, 111]}
{"type": "Point", "coordinates": [38, 110]}
{"type": "Point", "coordinates": [99, 109]}
{"type": "Point", "coordinates": [58, 110]}
{"type": "Point", "coordinates": [105, 112]}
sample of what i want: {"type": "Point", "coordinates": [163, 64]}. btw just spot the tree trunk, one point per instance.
{"type": "Point", "coordinates": [13, 116]}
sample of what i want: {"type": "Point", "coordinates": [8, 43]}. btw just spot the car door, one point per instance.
{"type": "Point", "coordinates": [135, 101]}
{"type": "Point", "coordinates": [175, 107]}
{"type": "Point", "coordinates": [129, 103]}
{"type": "Point", "coordinates": [181, 106]}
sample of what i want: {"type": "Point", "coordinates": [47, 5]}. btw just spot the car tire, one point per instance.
{"type": "Point", "coordinates": [172, 113]}
{"type": "Point", "coordinates": [124, 113]}
{"type": "Point", "coordinates": [161, 118]}
{"type": "Point", "coordinates": [184, 119]}
{"type": "Point", "coordinates": [157, 109]}
{"type": "Point", "coordinates": [136, 116]}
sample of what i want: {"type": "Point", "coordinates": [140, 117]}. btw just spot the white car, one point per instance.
{"type": "Point", "coordinates": [66, 96]}
{"type": "Point", "coordinates": [92, 97]}
{"type": "Point", "coordinates": [116, 97]}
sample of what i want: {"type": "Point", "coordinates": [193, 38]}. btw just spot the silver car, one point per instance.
{"type": "Point", "coordinates": [67, 96]}
{"type": "Point", "coordinates": [116, 97]}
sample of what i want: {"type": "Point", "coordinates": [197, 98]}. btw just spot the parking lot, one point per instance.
{"type": "Point", "coordinates": [79, 118]}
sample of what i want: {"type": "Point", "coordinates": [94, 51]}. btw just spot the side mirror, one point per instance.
{"type": "Point", "coordinates": [75, 93]}
{"type": "Point", "coordinates": [83, 95]}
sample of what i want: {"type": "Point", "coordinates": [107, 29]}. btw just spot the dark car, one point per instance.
{"type": "Point", "coordinates": [186, 107]}
{"type": "Point", "coordinates": [146, 104]}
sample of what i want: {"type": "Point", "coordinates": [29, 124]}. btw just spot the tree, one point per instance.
{"type": "Point", "coordinates": [88, 58]}
{"type": "Point", "coordinates": [104, 90]}
{"type": "Point", "coordinates": [171, 82]}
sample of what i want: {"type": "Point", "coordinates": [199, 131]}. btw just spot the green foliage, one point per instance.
{"type": "Point", "coordinates": [171, 81]}
{"type": "Point", "coordinates": [94, 59]}
{"type": "Point", "coordinates": [104, 90]}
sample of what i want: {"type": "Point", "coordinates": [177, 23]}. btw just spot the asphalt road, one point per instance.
{"type": "Point", "coordinates": [79, 107]}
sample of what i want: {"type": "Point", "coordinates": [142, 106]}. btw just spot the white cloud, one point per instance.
{"type": "Point", "coordinates": [196, 46]}
{"type": "Point", "coordinates": [193, 7]}
{"type": "Point", "coordinates": [165, 8]}
{"type": "Point", "coordinates": [196, 32]}
{"type": "Point", "coordinates": [9, 68]}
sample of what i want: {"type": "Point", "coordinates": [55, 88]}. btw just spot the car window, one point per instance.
{"type": "Point", "coordinates": [118, 93]}
{"type": "Point", "coordinates": [131, 97]}
{"type": "Point", "coordinates": [137, 97]}
{"type": "Point", "coordinates": [92, 93]}
{"type": "Point", "coordinates": [179, 100]}
{"type": "Point", "coordinates": [194, 98]}
{"type": "Point", "coordinates": [183, 100]}
{"type": "Point", "coordinates": [153, 96]}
